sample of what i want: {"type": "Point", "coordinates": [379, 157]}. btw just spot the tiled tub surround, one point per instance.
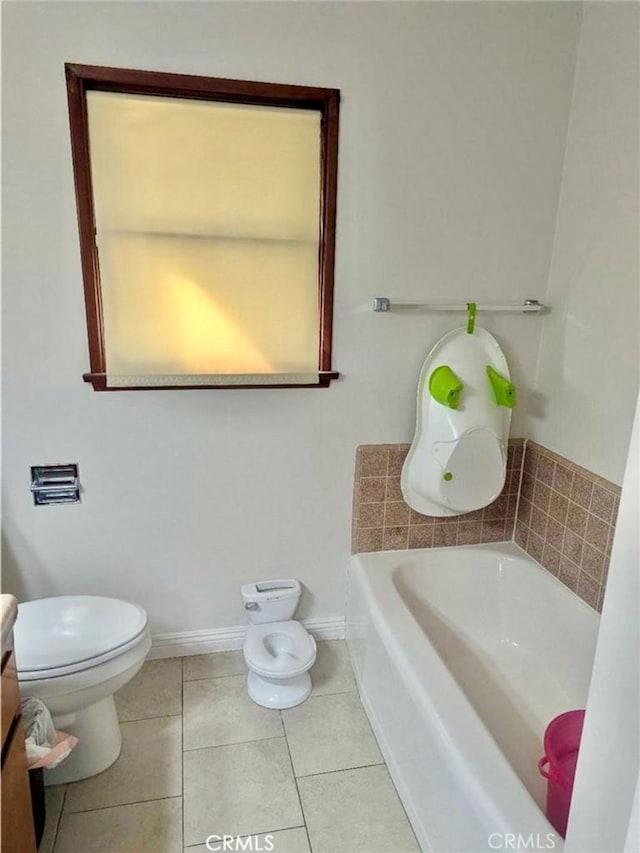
{"type": "Point", "coordinates": [565, 514]}
{"type": "Point", "coordinates": [566, 521]}
{"type": "Point", "coordinates": [382, 521]}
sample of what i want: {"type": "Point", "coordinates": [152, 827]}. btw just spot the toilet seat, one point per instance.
{"type": "Point", "coordinates": [66, 634]}
{"type": "Point", "coordinates": [279, 649]}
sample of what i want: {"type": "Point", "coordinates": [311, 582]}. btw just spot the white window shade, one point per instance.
{"type": "Point", "coordinates": [207, 227]}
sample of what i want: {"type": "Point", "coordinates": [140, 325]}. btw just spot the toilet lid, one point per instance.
{"type": "Point", "coordinates": [297, 659]}
{"type": "Point", "coordinates": [69, 630]}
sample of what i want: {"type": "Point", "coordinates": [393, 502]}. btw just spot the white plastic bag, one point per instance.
{"type": "Point", "coordinates": [46, 747]}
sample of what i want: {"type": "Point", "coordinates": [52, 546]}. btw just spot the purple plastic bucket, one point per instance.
{"type": "Point", "coordinates": [561, 746]}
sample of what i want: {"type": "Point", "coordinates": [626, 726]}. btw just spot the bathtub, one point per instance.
{"type": "Point", "coordinates": [462, 656]}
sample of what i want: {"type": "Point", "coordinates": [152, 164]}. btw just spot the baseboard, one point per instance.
{"type": "Point", "coordinates": [186, 643]}
{"type": "Point", "coordinates": [325, 629]}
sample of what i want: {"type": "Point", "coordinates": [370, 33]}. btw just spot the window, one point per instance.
{"type": "Point", "coordinates": [206, 211]}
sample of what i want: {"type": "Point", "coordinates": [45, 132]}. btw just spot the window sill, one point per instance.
{"type": "Point", "coordinates": [100, 382]}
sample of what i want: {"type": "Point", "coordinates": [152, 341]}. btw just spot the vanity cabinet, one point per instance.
{"type": "Point", "coordinates": [18, 833]}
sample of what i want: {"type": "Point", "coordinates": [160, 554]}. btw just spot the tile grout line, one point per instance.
{"type": "Point", "coordinates": [59, 821]}
{"type": "Point", "coordinates": [334, 692]}
{"type": "Point", "coordinates": [322, 695]}
{"type": "Point", "coordinates": [582, 573]}
{"type": "Point", "coordinates": [212, 677]}
{"type": "Point", "coordinates": [565, 527]}
{"type": "Point", "coordinates": [144, 719]}
{"type": "Point", "coordinates": [123, 805]}
{"type": "Point", "coordinates": [234, 743]}
{"type": "Point", "coordinates": [295, 780]}
{"type": "Point", "coordinates": [249, 835]}
{"type": "Point", "coordinates": [571, 500]}
{"type": "Point", "coordinates": [382, 763]}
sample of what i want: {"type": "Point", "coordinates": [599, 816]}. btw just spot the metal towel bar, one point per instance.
{"type": "Point", "coordinates": [382, 304]}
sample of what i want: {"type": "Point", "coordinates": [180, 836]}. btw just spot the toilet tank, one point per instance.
{"type": "Point", "coordinates": [271, 601]}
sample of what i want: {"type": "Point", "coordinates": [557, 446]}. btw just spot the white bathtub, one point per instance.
{"type": "Point", "coordinates": [462, 657]}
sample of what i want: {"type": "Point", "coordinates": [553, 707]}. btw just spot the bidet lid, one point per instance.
{"type": "Point", "coordinates": [67, 629]}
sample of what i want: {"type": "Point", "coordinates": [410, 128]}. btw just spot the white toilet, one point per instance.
{"type": "Point", "coordinates": [73, 652]}
{"type": "Point", "coordinates": [278, 650]}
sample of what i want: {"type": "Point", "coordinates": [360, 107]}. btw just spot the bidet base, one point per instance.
{"type": "Point", "coordinates": [99, 742]}
{"type": "Point", "coordinates": [281, 693]}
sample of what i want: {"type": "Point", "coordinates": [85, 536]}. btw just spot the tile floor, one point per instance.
{"type": "Point", "coordinates": [199, 758]}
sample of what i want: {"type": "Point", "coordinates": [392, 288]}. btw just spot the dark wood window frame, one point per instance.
{"type": "Point", "coordinates": [82, 78]}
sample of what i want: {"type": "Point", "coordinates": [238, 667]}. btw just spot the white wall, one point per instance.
{"type": "Point", "coordinates": [589, 362]}
{"type": "Point", "coordinates": [588, 373]}
{"type": "Point", "coordinates": [453, 127]}
{"type": "Point", "coordinates": [606, 785]}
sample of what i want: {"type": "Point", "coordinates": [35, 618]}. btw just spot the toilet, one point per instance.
{"type": "Point", "coordinates": [278, 650]}
{"type": "Point", "coordinates": [74, 652]}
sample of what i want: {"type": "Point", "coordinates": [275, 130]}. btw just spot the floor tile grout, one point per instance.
{"type": "Point", "coordinates": [213, 677]}
{"type": "Point", "coordinates": [295, 782]}
{"type": "Point", "coordinates": [235, 743]}
{"type": "Point", "coordinates": [313, 698]}
{"type": "Point", "coordinates": [121, 805]}
{"type": "Point", "coordinates": [59, 821]}
{"type": "Point", "coordinates": [342, 769]}
{"type": "Point", "coordinates": [220, 677]}
{"type": "Point", "coordinates": [333, 693]}
{"type": "Point", "coordinates": [142, 719]}
{"type": "Point", "coordinates": [250, 835]}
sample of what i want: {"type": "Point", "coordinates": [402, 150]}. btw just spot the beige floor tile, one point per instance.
{"type": "Point", "coordinates": [149, 768]}
{"type": "Point", "coordinates": [218, 711]}
{"type": "Point", "coordinates": [238, 790]}
{"type": "Point", "coordinates": [53, 799]}
{"type": "Point", "coordinates": [329, 733]}
{"type": "Point", "coordinates": [156, 691]}
{"type": "Point", "coordinates": [331, 673]}
{"type": "Point", "coordinates": [284, 841]}
{"type": "Point", "coordinates": [214, 665]}
{"type": "Point", "coordinates": [355, 811]}
{"type": "Point", "coordinates": [154, 827]}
